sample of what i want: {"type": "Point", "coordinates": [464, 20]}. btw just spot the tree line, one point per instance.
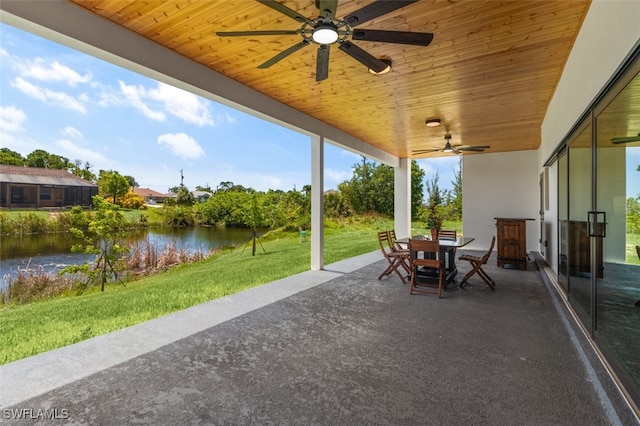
{"type": "Point", "coordinates": [370, 190]}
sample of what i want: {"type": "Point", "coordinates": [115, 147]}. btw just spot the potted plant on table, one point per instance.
{"type": "Point", "coordinates": [434, 221]}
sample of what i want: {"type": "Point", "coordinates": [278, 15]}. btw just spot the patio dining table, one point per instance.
{"type": "Point", "coordinates": [448, 248]}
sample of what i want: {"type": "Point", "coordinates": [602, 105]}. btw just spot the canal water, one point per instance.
{"type": "Point", "coordinates": [52, 252]}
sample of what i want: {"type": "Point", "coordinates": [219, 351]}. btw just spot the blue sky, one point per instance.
{"type": "Point", "coordinates": [71, 104]}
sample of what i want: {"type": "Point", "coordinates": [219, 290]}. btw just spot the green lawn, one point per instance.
{"type": "Point", "coordinates": [14, 214]}
{"type": "Point", "coordinates": [633, 240]}
{"type": "Point", "coordinates": [38, 327]}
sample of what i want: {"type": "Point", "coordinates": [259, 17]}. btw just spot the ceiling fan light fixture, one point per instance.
{"type": "Point", "coordinates": [432, 122]}
{"type": "Point", "coordinates": [325, 34]}
{"type": "Point", "coordinates": [384, 71]}
{"type": "Point", "coordinates": [448, 148]}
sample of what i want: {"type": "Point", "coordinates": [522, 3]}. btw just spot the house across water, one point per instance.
{"type": "Point", "coordinates": [35, 188]}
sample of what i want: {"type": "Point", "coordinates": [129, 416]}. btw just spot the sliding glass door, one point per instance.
{"type": "Point", "coordinates": [579, 204]}
{"type": "Point", "coordinates": [616, 230]}
{"type": "Point", "coordinates": [599, 225]}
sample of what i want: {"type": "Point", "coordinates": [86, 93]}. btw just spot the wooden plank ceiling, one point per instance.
{"type": "Point", "coordinates": [488, 74]}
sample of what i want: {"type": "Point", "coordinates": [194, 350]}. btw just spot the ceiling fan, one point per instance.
{"type": "Point", "coordinates": [454, 149]}
{"type": "Point", "coordinates": [326, 30]}
{"type": "Point", "coordinates": [625, 139]}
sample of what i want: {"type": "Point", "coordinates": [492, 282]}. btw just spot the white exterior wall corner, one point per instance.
{"type": "Point", "coordinates": [608, 34]}
{"type": "Point", "coordinates": [499, 185]}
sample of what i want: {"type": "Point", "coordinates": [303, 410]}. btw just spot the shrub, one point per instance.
{"type": "Point", "coordinates": [6, 225]}
{"type": "Point", "coordinates": [179, 216]}
{"type": "Point", "coordinates": [34, 223]}
{"type": "Point", "coordinates": [130, 200]}
{"type": "Point", "coordinates": [30, 285]}
{"type": "Point", "coordinates": [75, 218]}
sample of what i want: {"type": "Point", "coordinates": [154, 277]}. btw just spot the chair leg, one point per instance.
{"type": "Point", "coordinates": [476, 267]}
{"type": "Point", "coordinates": [398, 263]}
{"type": "Point", "coordinates": [386, 271]}
{"type": "Point", "coordinates": [487, 279]}
{"type": "Point", "coordinates": [412, 282]}
{"type": "Point", "coordinates": [393, 267]}
{"type": "Point", "coordinates": [405, 264]}
{"type": "Point", "coordinates": [413, 285]}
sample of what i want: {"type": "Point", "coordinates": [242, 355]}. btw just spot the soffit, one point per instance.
{"type": "Point", "coordinates": [489, 73]}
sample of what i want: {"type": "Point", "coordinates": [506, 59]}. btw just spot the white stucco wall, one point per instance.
{"type": "Point", "coordinates": [609, 33]}
{"type": "Point", "coordinates": [499, 185]}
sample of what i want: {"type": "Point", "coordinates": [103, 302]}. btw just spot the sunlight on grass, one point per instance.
{"type": "Point", "coordinates": [38, 327]}
{"type": "Point", "coordinates": [633, 240]}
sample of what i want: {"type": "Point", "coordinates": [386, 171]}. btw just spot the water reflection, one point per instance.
{"type": "Point", "coordinates": [52, 252]}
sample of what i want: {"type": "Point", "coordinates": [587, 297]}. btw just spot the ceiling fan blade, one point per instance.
{"type": "Point", "coordinates": [322, 63]}
{"type": "Point", "coordinates": [327, 6]}
{"type": "Point", "coordinates": [280, 56]}
{"type": "Point", "coordinates": [626, 139]}
{"type": "Point", "coordinates": [285, 10]}
{"type": "Point", "coordinates": [362, 56]}
{"type": "Point", "coordinates": [471, 147]}
{"type": "Point", "coordinates": [374, 10]}
{"type": "Point", "coordinates": [399, 37]}
{"type": "Point", "coordinates": [256, 33]}
{"type": "Point", "coordinates": [425, 151]}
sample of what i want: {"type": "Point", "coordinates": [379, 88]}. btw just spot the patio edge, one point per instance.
{"type": "Point", "coordinates": [29, 377]}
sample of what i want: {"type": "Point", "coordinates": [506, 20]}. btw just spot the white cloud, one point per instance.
{"type": "Point", "coordinates": [38, 69]}
{"type": "Point", "coordinates": [12, 131]}
{"type": "Point", "coordinates": [11, 119]}
{"type": "Point", "coordinates": [19, 142]}
{"type": "Point", "coordinates": [164, 99]}
{"type": "Point", "coordinates": [107, 95]}
{"type": "Point", "coordinates": [60, 99]}
{"type": "Point", "coordinates": [440, 165]}
{"type": "Point", "coordinates": [135, 94]}
{"type": "Point", "coordinates": [334, 176]}
{"type": "Point", "coordinates": [74, 151]}
{"type": "Point", "coordinates": [182, 145]}
{"type": "Point", "coordinates": [227, 118]}
{"type": "Point", "coordinates": [71, 132]}
{"type": "Point", "coordinates": [182, 104]}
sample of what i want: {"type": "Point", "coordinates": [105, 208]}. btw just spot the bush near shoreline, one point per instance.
{"type": "Point", "coordinates": [21, 222]}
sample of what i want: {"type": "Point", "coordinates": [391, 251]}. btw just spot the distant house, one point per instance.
{"type": "Point", "coordinates": [149, 195]}
{"type": "Point", "coordinates": [34, 187]}
{"type": "Point", "coordinates": [201, 196]}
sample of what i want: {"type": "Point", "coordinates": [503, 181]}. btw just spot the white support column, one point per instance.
{"type": "Point", "coordinates": [317, 202]}
{"type": "Point", "coordinates": [402, 198]}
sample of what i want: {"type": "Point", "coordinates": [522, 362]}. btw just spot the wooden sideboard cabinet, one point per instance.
{"type": "Point", "coordinates": [512, 242]}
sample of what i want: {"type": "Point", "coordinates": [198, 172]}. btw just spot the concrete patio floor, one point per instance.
{"type": "Point", "coordinates": [333, 347]}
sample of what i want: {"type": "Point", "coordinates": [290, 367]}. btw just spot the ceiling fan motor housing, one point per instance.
{"type": "Point", "coordinates": [326, 30]}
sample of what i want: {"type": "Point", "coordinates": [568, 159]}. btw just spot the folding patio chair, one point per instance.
{"type": "Point", "coordinates": [393, 243]}
{"type": "Point", "coordinates": [397, 258]}
{"type": "Point", "coordinates": [447, 235]}
{"type": "Point", "coordinates": [444, 234]}
{"type": "Point", "coordinates": [476, 266]}
{"type": "Point", "coordinates": [426, 269]}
